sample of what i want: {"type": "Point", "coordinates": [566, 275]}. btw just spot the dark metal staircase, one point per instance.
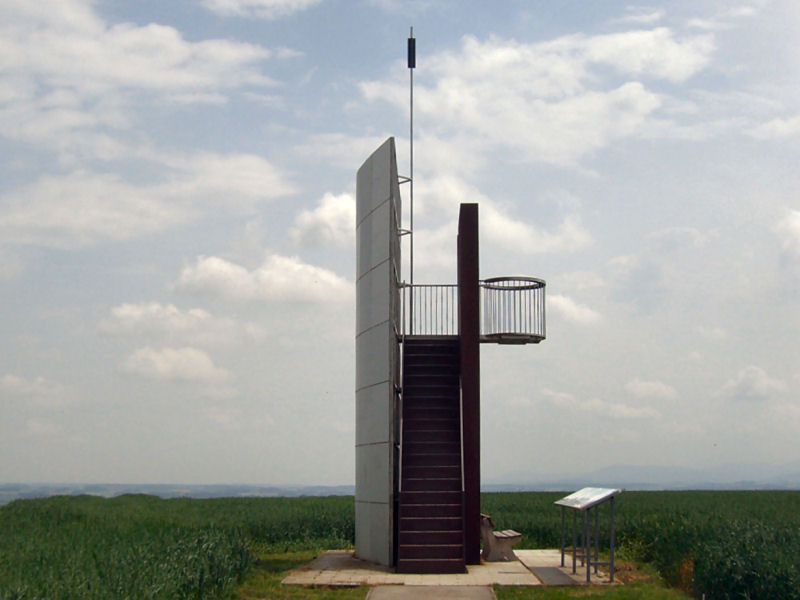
{"type": "Point", "coordinates": [430, 530]}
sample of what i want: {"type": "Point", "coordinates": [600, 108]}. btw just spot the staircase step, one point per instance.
{"type": "Point", "coordinates": [432, 345]}
{"type": "Point", "coordinates": [429, 401]}
{"type": "Point", "coordinates": [432, 485]}
{"type": "Point", "coordinates": [430, 447]}
{"type": "Point", "coordinates": [431, 436]}
{"type": "Point", "coordinates": [434, 460]}
{"type": "Point", "coordinates": [447, 424]}
{"type": "Point", "coordinates": [430, 510]}
{"type": "Point", "coordinates": [430, 498]}
{"type": "Point", "coordinates": [430, 537]}
{"type": "Point", "coordinates": [431, 565]}
{"type": "Point", "coordinates": [430, 551]}
{"type": "Point", "coordinates": [430, 523]}
{"type": "Point", "coordinates": [431, 367]}
{"type": "Point", "coordinates": [432, 472]}
{"type": "Point", "coordinates": [433, 379]}
{"type": "Point", "coordinates": [430, 412]}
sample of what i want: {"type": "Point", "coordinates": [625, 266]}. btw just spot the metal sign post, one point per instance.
{"type": "Point", "coordinates": [587, 501]}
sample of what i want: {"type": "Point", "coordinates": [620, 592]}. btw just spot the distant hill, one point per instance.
{"type": "Point", "coordinates": [629, 477]}
{"type": "Point", "coordinates": [754, 476]}
{"type": "Point", "coordinates": [14, 491]}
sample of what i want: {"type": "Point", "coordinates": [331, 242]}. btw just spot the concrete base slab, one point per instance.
{"type": "Point", "coordinates": [546, 565]}
{"type": "Point", "coordinates": [341, 568]}
{"type": "Point", "coordinates": [431, 592]}
{"type": "Point", "coordinates": [534, 567]}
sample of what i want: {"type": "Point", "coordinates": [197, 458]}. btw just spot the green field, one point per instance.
{"type": "Point", "coordinates": [722, 544]}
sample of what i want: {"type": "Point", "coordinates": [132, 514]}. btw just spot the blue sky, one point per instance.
{"type": "Point", "coordinates": [177, 228]}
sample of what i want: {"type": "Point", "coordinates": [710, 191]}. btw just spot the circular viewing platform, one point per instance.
{"type": "Point", "coordinates": [512, 310]}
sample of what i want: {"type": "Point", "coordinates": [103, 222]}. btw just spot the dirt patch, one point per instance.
{"type": "Point", "coordinates": [627, 572]}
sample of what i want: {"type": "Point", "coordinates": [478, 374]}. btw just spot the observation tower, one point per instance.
{"type": "Point", "coordinates": [417, 386]}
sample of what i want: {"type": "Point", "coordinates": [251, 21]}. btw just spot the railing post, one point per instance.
{"type": "Point", "coordinates": [469, 342]}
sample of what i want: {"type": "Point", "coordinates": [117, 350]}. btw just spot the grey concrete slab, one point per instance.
{"type": "Point", "coordinates": [534, 568]}
{"type": "Point", "coordinates": [431, 592]}
{"type": "Point", "coordinates": [552, 576]}
{"type": "Point", "coordinates": [546, 565]}
{"type": "Point", "coordinates": [341, 568]}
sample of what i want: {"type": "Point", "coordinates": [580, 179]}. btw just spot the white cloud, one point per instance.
{"type": "Point", "coordinates": [435, 249]}
{"type": "Point", "coordinates": [339, 149]}
{"type": "Point", "coordinates": [617, 410]}
{"type": "Point", "coordinates": [497, 227]}
{"type": "Point", "coordinates": [571, 310]}
{"type": "Point", "coordinates": [777, 129]}
{"type": "Point", "coordinates": [642, 15]}
{"type": "Point", "coordinates": [723, 20]}
{"type": "Point", "coordinates": [445, 192]}
{"type": "Point", "coordinates": [280, 278]}
{"type": "Point", "coordinates": [188, 364]}
{"type": "Point", "coordinates": [673, 238]}
{"type": "Point", "coordinates": [39, 390]}
{"type": "Point", "coordinates": [405, 7]}
{"type": "Point", "coordinates": [211, 177]}
{"type": "Point", "coordinates": [743, 11]}
{"type": "Point", "coordinates": [789, 233]}
{"type": "Point", "coordinates": [73, 49]}
{"type": "Point", "coordinates": [542, 100]}
{"type": "Point", "coordinates": [72, 83]}
{"type": "Point", "coordinates": [332, 222]}
{"type": "Point", "coordinates": [753, 384]}
{"type": "Point", "coordinates": [83, 208]}
{"type": "Point", "coordinates": [651, 389]}
{"type": "Point", "coordinates": [602, 408]}
{"type": "Point", "coordinates": [264, 9]}
{"type": "Point", "coordinates": [652, 53]}
{"type": "Point", "coordinates": [563, 399]}
{"type": "Point", "coordinates": [194, 325]}
{"type": "Point", "coordinates": [637, 280]}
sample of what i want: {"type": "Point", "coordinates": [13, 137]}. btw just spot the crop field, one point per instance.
{"type": "Point", "coordinates": [722, 544]}
{"type": "Point", "coordinates": [142, 547]}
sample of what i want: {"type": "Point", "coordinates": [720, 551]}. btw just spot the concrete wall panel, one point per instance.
{"type": "Point", "coordinates": [373, 472]}
{"type": "Point", "coordinates": [373, 239]}
{"type": "Point", "coordinates": [375, 289]}
{"type": "Point", "coordinates": [374, 413]}
{"type": "Point", "coordinates": [377, 262]}
{"type": "Point", "coordinates": [371, 536]}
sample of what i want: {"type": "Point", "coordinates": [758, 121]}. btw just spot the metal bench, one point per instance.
{"type": "Point", "coordinates": [497, 545]}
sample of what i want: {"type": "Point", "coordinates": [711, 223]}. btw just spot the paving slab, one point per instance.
{"type": "Point", "coordinates": [431, 592]}
{"type": "Point", "coordinates": [534, 567]}
{"type": "Point", "coordinates": [341, 568]}
{"type": "Point", "coordinates": [546, 565]}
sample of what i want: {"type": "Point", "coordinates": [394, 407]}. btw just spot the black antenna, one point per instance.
{"type": "Point", "coordinates": [412, 63]}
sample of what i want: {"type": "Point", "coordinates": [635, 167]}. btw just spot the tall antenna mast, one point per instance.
{"type": "Point", "coordinates": [412, 63]}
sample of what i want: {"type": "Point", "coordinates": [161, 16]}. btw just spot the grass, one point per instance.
{"type": "Point", "coordinates": [648, 591]}
{"type": "Point", "coordinates": [264, 581]}
{"type": "Point", "coordinates": [725, 545]}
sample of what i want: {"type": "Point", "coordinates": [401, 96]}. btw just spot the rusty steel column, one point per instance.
{"type": "Point", "coordinates": [469, 336]}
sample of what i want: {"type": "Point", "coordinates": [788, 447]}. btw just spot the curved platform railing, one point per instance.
{"type": "Point", "coordinates": [512, 310]}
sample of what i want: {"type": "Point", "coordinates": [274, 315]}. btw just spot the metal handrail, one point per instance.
{"type": "Point", "coordinates": [435, 309]}
{"type": "Point", "coordinates": [512, 309]}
